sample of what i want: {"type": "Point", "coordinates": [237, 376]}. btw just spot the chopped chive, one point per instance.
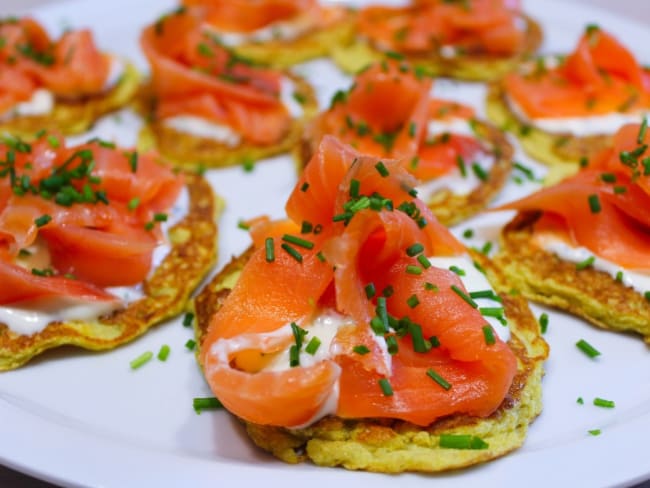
{"type": "Point", "coordinates": [620, 189]}
{"type": "Point", "coordinates": [525, 170]}
{"type": "Point", "coordinates": [298, 334]}
{"type": "Point", "coordinates": [160, 217]}
{"type": "Point", "coordinates": [53, 141]}
{"type": "Point", "coordinates": [164, 352]}
{"type": "Point", "coordinates": [320, 256]}
{"type": "Point", "coordinates": [619, 276]}
{"type": "Point", "coordinates": [457, 270]}
{"type": "Point", "coordinates": [480, 173]}
{"type": "Point", "coordinates": [430, 286]}
{"type": "Point", "coordinates": [584, 162]}
{"type": "Point", "coordinates": [133, 203]}
{"type": "Point", "coordinates": [594, 432]}
{"type": "Point", "coordinates": [464, 296]}
{"type": "Point", "coordinates": [388, 291]}
{"type": "Point", "coordinates": [642, 131]}
{"type": "Point", "coordinates": [141, 360]}
{"type": "Point", "coordinates": [304, 187]}
{"type": "Point", "coordinates": [468, 233]}
{"type": "Point", "coordinates": [313, 345]}
{"type": "Point", "coordinates": [587, 348]}
{"type": "Point", "coordinates": [190, 344]}
{"type": "Point", "coordinates": [580, 401]}
{"type": "Point", "coordinates": [413, 301]}
{"type": "Point", "coordinates": [299, 97]}
{"type": "Point", "coordinates": [487, 247]}
{"type": "Point", "coordinates": [386, 389]}
{"type": "Point", "coordinates": [298, 241]}
{"type": "Point", "coordinates": [488, 334]}
{"type": "Point", "coordinates": [495, 312]}
{"type": "Point", "coordinates": [210, 403]}
{"type": "Point", "coordinates": [601, 402]}
{"type": "Point", "coordinates": [294, 356]}
{"type": "Point", "coordinates": [412, 129]}
{"type": "Point", "coordinates": [435, 342]}
{"type": "Point", "coordinates": [42, 220]}
{"type": "Point", "coordinates": [248, 165]}
{"type": "Point", "coordinates": [460, 441]}
{"type": "Point", "coordinates": [149, 225]}
{"type": "Point", "coordinates": [460, 162]}
{"type": "Point", "coordinates": [354, 188]}
{"type": "Point", "coordinates": [394, 55]}
{"type": "Point", "coordinates": [414, 249]}
{"type": "Point", "coordinates": [382, 312]}
{"type": "Point", "coordinates": [188, 318]}
{"type": "Point", "coordinates": [485, 294]}
{"type": "Point", "coordinates": [543, 322]}
{"type": "Point", "coordinates": [424, 261]}
{"type": "Point", "coordinates": [594, 203]}
{"type": "Point", "coordinates": [608, 177]}
{"type": "Point", "coordinates": [414, 270]}
{"type": "Point", "coordinates": [133, 161]}
{"type": "Point", "coordinates": [391, 345]}
{"type": "Point", "coordinates": [361, 349]}
{"type": "Point", "coordinates": [370, 290]}
{"type": "Point", "coordinates": [438, 379]}
{"type": "Point", "coordinates": [241, 224]}
{"type": "Point", "coordinates": [270, 249]}
{"type": "Point", "coordinates": [586, 263]}
{"type": "Point", "coordinates": [419, 344]}
{"type": "Point", "coordinates": [204, 50]}
{"type": "Point", "coordinates": [292, 252]}
{"type": "Point", "coordinates": [382, 169]}
{"type": "Point", "coordinates": [646, 295]}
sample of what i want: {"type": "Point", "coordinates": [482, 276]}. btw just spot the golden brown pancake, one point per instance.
{"type": "Point", "coordinates": [166, 291]}
{"type": "Point", "coordinates": [75, 116]}
{"type": "Point", "coordinates": [474, 67]}
{"type": "Point", "coordinates": [189, 151]}
{"type": "Point", "coordinates": [393, 446]}
{"type": "Point", "coordinates": [543, 277]}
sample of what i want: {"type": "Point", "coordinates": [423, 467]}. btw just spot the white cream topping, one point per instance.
{"type": "Point", "coordinates": [284, 30]}
{"type": "Point", "coordinates": [638, 280]}
{"type": "Point", "coordinates": [454, 180]}
{"type": "Point", "coordinates": [30, 317]}
{"type": "Point", "coordinates": [204, 128]}
{"type": "Point", "coordinates": [475, 281]}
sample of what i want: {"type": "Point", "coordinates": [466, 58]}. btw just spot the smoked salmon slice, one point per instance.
{"type": "Point", "coordinates": [371, 232]}
{"type": "Point", "coordinates": [91, 212]}
{"type": "Point", "coordinates": [600, 76]}
{"type": "Point", "coordinates": [603, 207]}
{"type": "Point", "coordinates": [193, 73]}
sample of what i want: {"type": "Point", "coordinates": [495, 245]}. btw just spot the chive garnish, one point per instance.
{"type": "Point", "coordinates": [468, 233]}
{"type": "Point", "coordinates": [209, 403]}
{"type": "Point", "coordinates": [485, 294]}
{"type": "Point", "coordinates": [580, 401]}
{"type": "Point", "coordinates": [320, 256]}
{"type": "Point", "coordinates": [438, 379]}
{"type": "Point", "coordinates": [270, 249]}
{"type": "Point", "coordinates": [494, 312]}
{"type": "Point", "coordinates": [304, 187]}
{"type": "Point", "coordinates": [42, 220]}
{"type": "Point", "coordinates": [292, 252]}
{"type": "Point", "coordinates": [412, 301]}
{"type": "Point", "coordinates": [386, 389]}
{"type": "Point", "coordinates": [141, 360]}
{"type": "Point", "coordinates": [488, 334]}
{"type": "Point", "coordinates": [354, 188]}
{"type": "Point", "coordinates": [388, 291]}
{"type": "Point", "coordinates": [435, 342]}
{"type": "Point", "coordinates": [430, 287]}
{"type": "Point", "coordinates": [601, 402]}
{"type": "Point", "coordinates": [543, 322]}
{"type": "Point", "coordinates": [414, 270]}
{"type": "Point", "coordinates": [414, 249]}
{"type": "Point", "coordinates": [642, 131]}
{"type": "Point", "coordinates": [619, 276]}
{"type": "Point", "coordinates": [594, 203]}
{"type": "Point", "coordinates": [412, 129]}
{"type": "Point", "coordinates": [370, 290]}
{"type": "Point", "coordinates": [587, 348]}
{"type": "Point", "coordinates": [133, 203]}
{"type": "Point", "coordinates": [160, 217]}
{"type": "Point", "coordinates": [464, 296]}
{"type": "Point", "coordinates": [294, 356]}
{"type": "Point", "coordinates": [391, 345]}
{"type": "Point", "coordinates": [608, 177]}
{"type": "Point", "coordinates": [163, 353]}
{"type": "Point", "coordinates": [457, 270]}
{"type": "Point", "coordinates": [620, 189]}
{"type": "Point", "coordinates": [298, 334]}
{"type": "Point", "coordinates": [480, 173]}
{"type": "Point", "coordinates": [487, 247]}
{"type": "Point", "coordinates": [460, 441]}
{"type": "Point", "coordinates": [312, 346]}
{"type": "Point", "coordinates": [594, 432]}
{"type": "Point", "coordinates": [188, 318]}
{"type": "Point", "coordinates": [361, 349]}
{"type": "Point", "coordinates": [586, 263]}
{"type": "Point", "coordinates": [424, 261]}
{"type": "Point", "coordinates": [460, 162]}
{"type": "Point", "coordinates": [133, 161]}
{"type": "Point", "coordinates": [382, 169]}
{"type": "Point", "coordinates": [190, 344]}
{"type": "Point", "coordinates": [298, 241]}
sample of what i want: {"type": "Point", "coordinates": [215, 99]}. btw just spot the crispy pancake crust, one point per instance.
{"type": "Point", "coordinates": [562, 152]}
{"type": "Point", "coordinates": [357, 55]}
{"type": "Point", "coordinates": [74, 117]}
{"type": "Point", "coordinates": [167, 290]}
{"type": "Point", "coordinates": [393, 446]}
{"type": "Point", "coordinates": [188, 151]}
{"type": "Point", "coordinates": [284, 54]}
{"type": "Point", "coordinates": [448, 207]}
{"type": "Point", "coordinates": [543, 277]}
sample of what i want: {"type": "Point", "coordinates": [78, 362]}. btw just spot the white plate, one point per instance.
{"type": "Point", "coordinates": [81, 418]}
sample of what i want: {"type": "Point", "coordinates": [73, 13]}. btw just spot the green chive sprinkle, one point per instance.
{"type": "Point", "coordinates": [210, 403]}
{"type": "Point", "coordinates": [292, 252]}
{"type": "Point", "coordinates": [391, 345]}
{"type": "Point", "coordinates": [601, 402]}
{"type": "Point", "coordinates": [412, 129]}
{"type": "Point", "coordinates": [241, 224]}
{"type": "Point", "coordinates": [460, 162]}
{"type": "Point", "coordinates": [294, 356]}
{"type": "Point", "coordinates": [580, 401]}
{"type": "Point", "coordinates": [586, 263]}
{"type": "Point", "coordinates": [468, 233]}
{"type": "Point", "coordinates": [491, 311]}
{"type": "Point", "coordinates": [354, 188]}
{"type": "Point", "coordinates": [608, 177]}
{"type": "Point", "coordinates": [464, 296]}
{"type": "Point", "coordinates": [594, 432]}
{"type": "Point", "coordinates": [438, 379]}
{"type": "Point", "coordinates": [488, 334]}
{"type": "Point", "coordinates": [414, 249]}
{"type": "Point", "coordinates": [53, 142]}
{"type": "Point", "coordinates": [386, 389]}
{"type": "Point", "coordinates": [298, 334]}
{"type": "Point", "coordinates": [42, 220]}
{"type": "Point", "coordinates": [594, 203]}
{"type": "Point", "coordinates": [382, 169]}
{"type": "Point", "coordinates": [370, 290]}
{"type": "Point", "coordinates": [619, 276]}
{"type": "Point", "coordinates": [424, 261]}
{"type": "Point", "coordinates": [642, 130]}
{"type": "Point", "coordinates": [646, 295]}
{"type": "Point", "coordinates": [361, 349]}
{"type": "Point", "coordinates": [133, 203]}
{"type": "Point", "coordinates": [188, 318]}
{"type": "Point", "coordinates": [313, 345]}
{"type": "Point", "coordinates": [485, 294]}
{"type": "Point", "coordinates": [456, 441]}
{"type": "Point", "coordinates": [620, 189]}
{"type": "Point", "coordinates": [133, 161]}
{"type": "Point", "coordinates": [543, 322]}
{"type": "Point", "coordinates": [141, 360]}
{"type": "Point", "coordinates": [414, 270]}
{"type": "Point", "coordinates": [304, 187]}
{"type": "Point", "coordinates": [160, 217]}
{"type": "Point", "coordinates": [457, 270]}
{"type": "Point", "coordinates": [270, 250]}
{"type": "Point", "coordinates": [480, 173]}
{"type": "Point", "coordinates": [430, 286]}
{"type": "Point", "coordinates": [412, 301]}
{"type": "Point", "coordinates": [487, 247]}
{"type": "Point", "coordinates": [320, 256]}
{"type": "Point", "coordinates": [435, 342]}
{"type": "Point", "coordinates": [587, 348]}
{"type": "Point", "coordinates": [163, 353]}
{"type": "Point", "coordinates": [298, 241]}
{"type": "Point", "coordinates": [190, 344]}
